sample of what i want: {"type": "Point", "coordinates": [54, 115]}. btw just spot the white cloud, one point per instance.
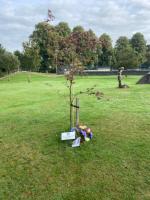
{"type": "Point", "coordinates": [142, 3]}
{"type": "Point", "coordinates": [116, 17]}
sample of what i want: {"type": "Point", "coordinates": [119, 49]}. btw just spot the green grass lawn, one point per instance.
{"type": "Point", "coordinates": [36, 164]}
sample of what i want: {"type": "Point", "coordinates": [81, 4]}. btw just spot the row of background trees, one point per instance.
{"type": "Point", "coordinates": [50, 47]}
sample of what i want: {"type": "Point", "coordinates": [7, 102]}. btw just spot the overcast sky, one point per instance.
{"type": "Point", "coordinates": [115, 17]}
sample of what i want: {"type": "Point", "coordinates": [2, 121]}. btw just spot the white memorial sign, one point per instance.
{"type": "Point", "coordinates": [76, 143]}
{"type": "Point", "coordinates": [68, 136]}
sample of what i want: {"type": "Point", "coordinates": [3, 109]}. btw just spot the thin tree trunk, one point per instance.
{"type": "Point", "coordinates": [70, 97]}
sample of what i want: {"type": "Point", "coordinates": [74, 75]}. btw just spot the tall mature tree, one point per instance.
{"type": "Point", "coordinates": [2, 50]}
{"type": "Point", "coordinates": [139, 45]}
{"type": "Point", "coordinates": [33, 58]}
{"type": "Point", "coordinates": [47, 39]}
{"type": "Point", "coordinates": [105, 57]}
{"type": "Point", "coordinates": [63, 29]}
{"type": "Point", "coordinates": [124, 54]}
{"type": "Point", "coordinates": [22, 59]}
{"type": "Point", "coordinates": [78, 29]}
{"type": "Point", "coordinates": [67, 52]}
{"type": "Point", "coordinates": [86, 47]}
{"type": "Point", "coordinates": [8, 62]}
{"type": "Point", "coordinates": [2, 67]}
{"type": "Point", "coordinates": [122, 42]}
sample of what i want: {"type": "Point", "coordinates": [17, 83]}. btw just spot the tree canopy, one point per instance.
{"type": "Point", "coordinates": [50, 47]}
{"type": "Point", "coordinates": [124, 54]}
{"type": "Point", "coordinates": [105, 56]}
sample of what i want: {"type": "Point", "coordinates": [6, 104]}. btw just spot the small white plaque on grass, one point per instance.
{"type": "Point", "coordinates": [76, 142]}
{"type": "Point", "coordinates": [68, 135]}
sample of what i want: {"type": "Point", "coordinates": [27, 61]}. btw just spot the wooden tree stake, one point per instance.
{"type": "Point", "coordinates": [77, 112]}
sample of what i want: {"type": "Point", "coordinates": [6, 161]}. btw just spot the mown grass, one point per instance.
{"type": "Point", "coordinates": [36, 164]}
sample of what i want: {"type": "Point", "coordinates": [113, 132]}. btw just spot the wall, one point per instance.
{"type": "Point", "coordinates": [106, 73]}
